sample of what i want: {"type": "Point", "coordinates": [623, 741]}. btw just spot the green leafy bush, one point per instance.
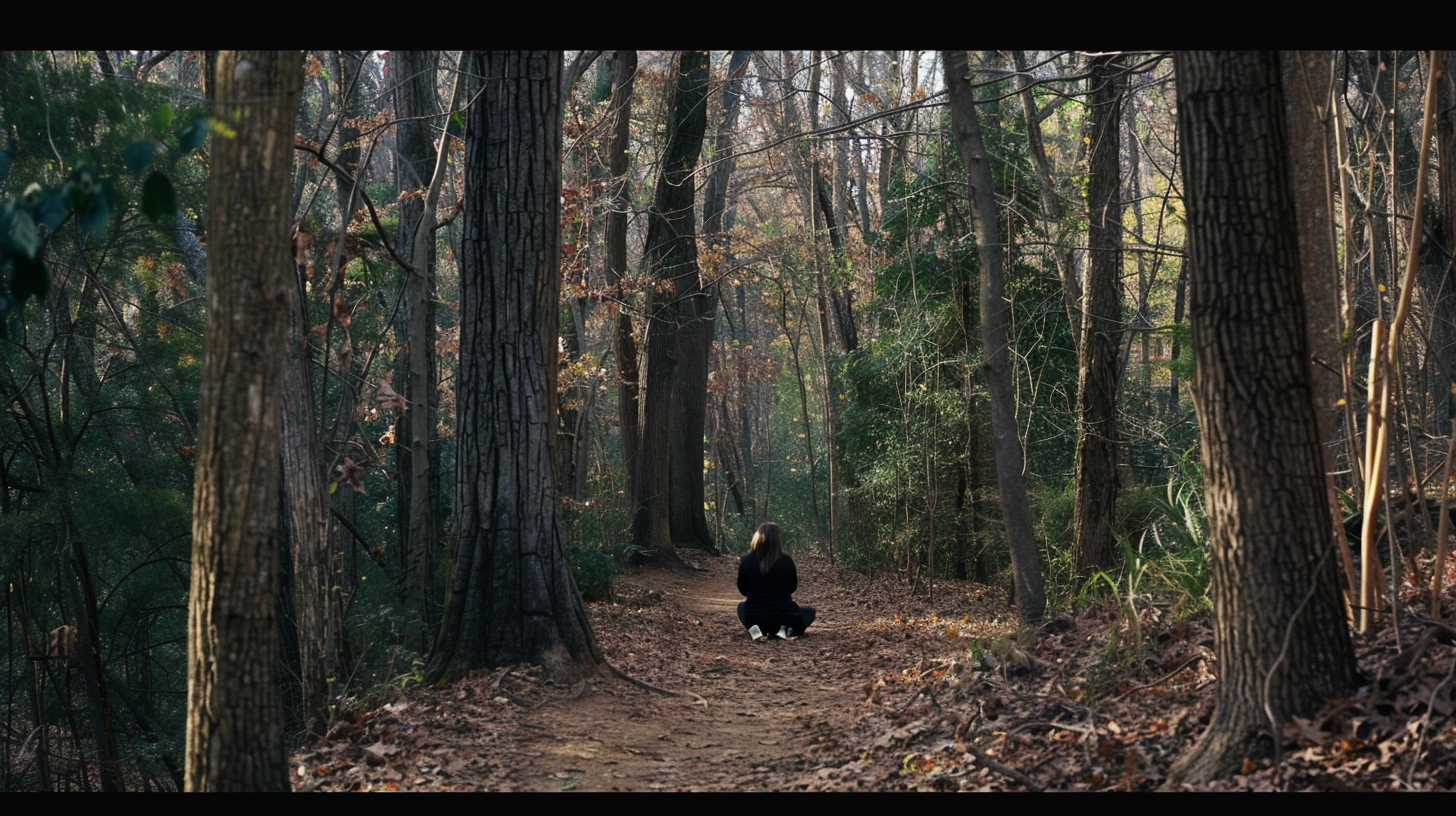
{"type": "Point", "coordinates": [595, 571]}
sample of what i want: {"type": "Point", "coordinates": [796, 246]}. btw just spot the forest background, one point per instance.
{"type": "Point", "coordinates": [835, 305]}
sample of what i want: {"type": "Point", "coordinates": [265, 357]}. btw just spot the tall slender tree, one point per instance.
{"type": "Point", "coordinates": [234, 721]}
{"type": "Point", "coordinates": [995, 348]}
{"type": "Point", "coordinates": [413, 74]}
{"type": "Point", "coordinates": [1099, 369]}
{"type": "Point", "coordinates": [624, 339]}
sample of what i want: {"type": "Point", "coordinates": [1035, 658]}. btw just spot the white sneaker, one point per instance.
{"type": "Point", "coordinates": [784, 633]}
{"type": "Point", "coordinates": [755, 632]}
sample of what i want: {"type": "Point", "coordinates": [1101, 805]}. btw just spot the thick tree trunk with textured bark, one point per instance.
{"type": "Point", "coordinates": [687, 518]}
{"type": "Point", "coordinates": [677, 309]}
{"type": "Point", "coordinates": [234, 721]}
{"type": "Point", "coordinates": [1438, 275]}
{"type": "Point", "coordinates": [995, 351]}
{"type": "Point", "coordinates": [513, 598]}
{"type": "Point", "coordinates": [1099, 369]}
{"type": "Point", "coordinates": [1280, 634]}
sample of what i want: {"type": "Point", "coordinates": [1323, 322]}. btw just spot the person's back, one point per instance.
{"type": "Point", "coordinates": [768, 578]}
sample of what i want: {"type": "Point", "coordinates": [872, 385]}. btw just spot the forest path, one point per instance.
{"type": "Point", "coordinates": [887, 691]}
{"type": "Point", "coordinates": [772, 715]}
{"type": "Point", "coordinates": [753, 723]}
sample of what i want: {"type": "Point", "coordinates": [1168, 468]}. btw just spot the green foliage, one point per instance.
{"type": "Point", "coordinates": [599, 538]}
{"type": "Point", "coordinates": [1162, 533]}
{"type": "Point", "coordinates": [914, 430]}
{"type": "Point", "coordinates": [49, 112]}
{"type": "Point", "coordinates": [595, 571]}
{"type": "Point", "coordinates": [96, 440]}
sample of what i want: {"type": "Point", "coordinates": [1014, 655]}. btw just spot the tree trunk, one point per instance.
{"type": "Point", "coordinates": [513, 598]}
{"type": "Point", "coordinates": [1307, 76]}
{"type": "Point", "coordinates": [995, 352]}
{"type": "Point", "coordinates": [716, 224]}
{"type": "Point", "coordinates": [1099, 370]}
{"type": "Point", "coordinates": [305, 512]}
{"type": "Point", "coordinates": [1280, 634]}
{"type": "Point", "coordinates": [678, 311]}
{"type": "Point", "coordinates": [1439, 276]}
{"type": "Point", "coordinates": [687, 520]}
{"type": "Point", "coordinates": [417, 459]}
{"type": "Point", "coordinates": [624, 340]}
{"type": "Point", "coordinates": [234, 720]}
{"type": "Point", "coordinates": [1053, 204]}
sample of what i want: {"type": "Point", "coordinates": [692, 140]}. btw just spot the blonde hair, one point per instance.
{"type": "Point", "coordinates": [768, 545]}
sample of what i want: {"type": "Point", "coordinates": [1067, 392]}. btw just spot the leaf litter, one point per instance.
{"type": "Point", "coordinates": [887, 691]}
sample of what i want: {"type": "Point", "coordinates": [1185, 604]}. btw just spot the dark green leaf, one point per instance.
{"type": "Point", "coordinates": [77, 194]}
{"type": "Point", "coordinates": [94, 210]}
{"type": "Point", "coordinates": [162, 118]}
{"type": "Point", "coordinates": [456, 127]}
{"type": "Point", "coordinates": [51, 210]}
{"type": "Point", "coordinates": [30, 278]}
{"type": "Point", "coordinates": [192, 136]}
{"type": "Point", "coordinates": [158, 197]}
{"type": "Point", "coordinates": [138, 155]}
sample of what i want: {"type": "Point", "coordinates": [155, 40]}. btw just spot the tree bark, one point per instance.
{"type": "Point", "coordinates": [677, 309]}
{"type": "Point", "coordinates": [305, 513]}
{"type": "Point", "coordinates": [1099, 370]}
{"type": "Point", "coordinates": [687, 518]}
{"type": "Point", "coordinates": [1307, 78]}
{"type": "Point", "coordinates": [234, 720]}
{"type": "Point", "coordinates": [995, 351]}
{"type": "Point", "coordinates": [624, 340]}
{"type": "Point", "coordinates": [1439, 273]}
{"type": "Point", "coordinates": [1280, 633]}
{"type": "Point", "coordinates": [417, 173]}
{"type": "Point", "coordinates": [513, 598]}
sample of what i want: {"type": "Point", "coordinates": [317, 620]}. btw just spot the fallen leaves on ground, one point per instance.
{"type": "Point", "coordinates": [887, 691]}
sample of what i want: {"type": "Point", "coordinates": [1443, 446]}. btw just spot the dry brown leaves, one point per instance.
{"type": "Point", "coordinates": [887, 691]}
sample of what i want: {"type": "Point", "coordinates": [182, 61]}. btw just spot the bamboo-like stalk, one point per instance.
{"type": "Point", "coordinates": [1375, 401]}
{"type": "Point", "coordinates": [1379, 414]}
{"type": "Point", "coordinates": [1328, 113]}
{"type": "Point", "coordinates": [1412, 256]}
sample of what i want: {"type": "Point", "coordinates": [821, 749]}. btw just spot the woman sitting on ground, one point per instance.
{"type": "Point", "coordinates": [768, 578]}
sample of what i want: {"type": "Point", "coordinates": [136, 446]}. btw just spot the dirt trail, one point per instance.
{"type": "Point", "coordinates": [753, 723]}
{"type": "Point", "coordinates": [770, 715]}
{"type": "Point", "coordinates": [887, 691]}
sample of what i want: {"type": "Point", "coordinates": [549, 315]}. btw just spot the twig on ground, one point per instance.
{"type": "Point", "coordinates": [1165, 678]}
{"type": "Point", "coordinates": [1002, 768]}
{"type": "Point", "coordinates": [654, 689]}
